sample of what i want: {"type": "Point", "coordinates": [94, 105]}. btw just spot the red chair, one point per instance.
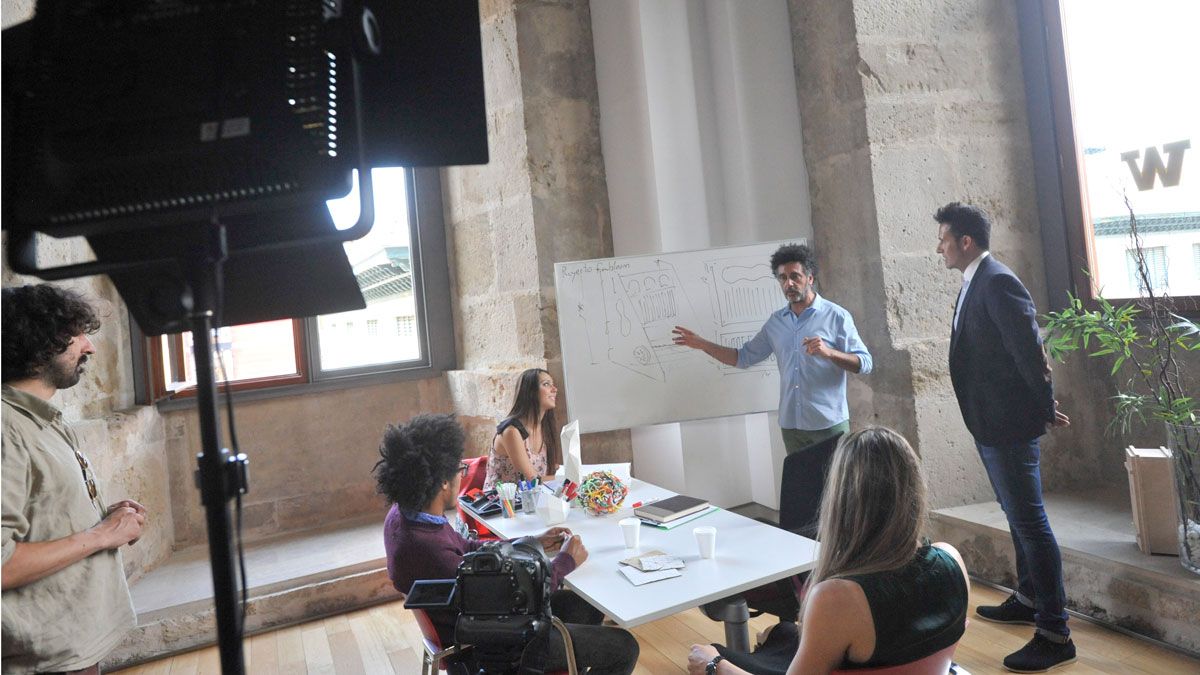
{"type": "Point", "coordinates": [476, 475]}
{"type": "Point", "coordinates": [433, 655]}
{"type": "Point", "coordinates": [937, 663]}
{"type": "Point", "coordinates": [431, 658]}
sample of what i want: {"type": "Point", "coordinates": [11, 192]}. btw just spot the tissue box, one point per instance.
{"type": "Point", "coordinates": [552, 509]}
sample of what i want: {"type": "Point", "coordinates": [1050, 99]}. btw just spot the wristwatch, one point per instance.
{"type": "Point", "coordinates": [711, 668]}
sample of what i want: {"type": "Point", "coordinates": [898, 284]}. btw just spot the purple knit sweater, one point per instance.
{"type": "Point", "coordinates": [426, 551]}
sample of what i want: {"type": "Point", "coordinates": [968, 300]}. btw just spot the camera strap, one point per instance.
{"type": "Point", "coordinates": [536, 652]}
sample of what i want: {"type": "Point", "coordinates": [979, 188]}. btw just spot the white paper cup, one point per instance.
{"type": "Point", "coordinates": [706, 540]}
{"type": "Point", "coordinates": [631, 528]}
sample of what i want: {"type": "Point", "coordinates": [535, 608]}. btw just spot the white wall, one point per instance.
{"type": "Point", "coordinates": [700, 130]}
{"type": "Point", "coordinates": [1183, 267]}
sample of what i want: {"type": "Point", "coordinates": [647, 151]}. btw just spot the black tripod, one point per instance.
{"type": "Point", "coordinates": [221, 475]}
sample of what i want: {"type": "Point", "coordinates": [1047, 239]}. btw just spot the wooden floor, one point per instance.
{"type": "Point", "coordinates": [385, 639]}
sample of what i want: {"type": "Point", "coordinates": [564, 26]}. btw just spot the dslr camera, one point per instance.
{"type": "Point", "coordinates": [502, 596]}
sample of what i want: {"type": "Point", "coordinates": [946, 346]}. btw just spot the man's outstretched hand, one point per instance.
{"type": "Point", "coordinates": [687, 338]}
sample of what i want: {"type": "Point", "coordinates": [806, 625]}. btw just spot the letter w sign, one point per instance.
{"type": "Point", "coordinates": [1152, 165]}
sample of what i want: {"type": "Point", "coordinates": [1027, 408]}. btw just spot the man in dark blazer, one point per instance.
{"type": "Point", "coordinates": [1002, 380]}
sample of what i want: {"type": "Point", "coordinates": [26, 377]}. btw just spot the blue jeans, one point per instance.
{"type": "Point", "coordinates": [1016, 478]}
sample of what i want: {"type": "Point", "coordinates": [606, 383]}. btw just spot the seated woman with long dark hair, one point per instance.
{"type": "Point", "coordinates": [878, 596]}
{"type": "Point", "coordinates": [526, 442]}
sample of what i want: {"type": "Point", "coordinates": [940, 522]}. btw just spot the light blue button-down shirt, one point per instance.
{"type": "Point", "coordinates": [812, 389]}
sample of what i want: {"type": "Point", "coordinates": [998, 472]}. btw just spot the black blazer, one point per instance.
{"type": "Point", "coordinates": [997, 364]}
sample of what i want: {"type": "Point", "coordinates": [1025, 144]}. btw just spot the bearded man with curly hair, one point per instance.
{"type": "Point", "coordinates": [65, 601]}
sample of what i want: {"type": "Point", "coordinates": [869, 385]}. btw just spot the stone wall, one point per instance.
{"type": "Point", "coordinates": [128, 450]}
{"type": "Point", "coordinates": [908, 105]}
{"type": "Point", "coordinates": [310, 456]}
{"type": "Point", "coordinates": [542, 199]}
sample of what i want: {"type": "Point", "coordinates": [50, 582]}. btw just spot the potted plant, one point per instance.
{"type": "Point", "coordinates": [1144, 339]}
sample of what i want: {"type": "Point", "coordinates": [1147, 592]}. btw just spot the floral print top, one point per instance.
{"type": "Point", "coordinates": [500, 468]}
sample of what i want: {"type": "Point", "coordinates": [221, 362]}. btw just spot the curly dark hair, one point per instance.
{"type": "Point", "coordinates": [790, 253]}
{"type": "Point", "coordinates": [966, 220]}
{"type": "Point", "coordinates": [39, 322]}
{"type": "Point", "coordinates": [417, 458]}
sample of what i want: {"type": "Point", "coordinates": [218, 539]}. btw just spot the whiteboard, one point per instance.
{"type": "Point", "coordinates": [615, 317]}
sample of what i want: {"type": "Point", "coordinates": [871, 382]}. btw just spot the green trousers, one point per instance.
{"type": "Point", "coordinates": [795, 440]}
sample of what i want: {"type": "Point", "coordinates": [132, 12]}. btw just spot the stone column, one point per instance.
{"type": "Point", "coordinates": [908, 105]}
{"type": "Point", "coordinates": [541, 199]}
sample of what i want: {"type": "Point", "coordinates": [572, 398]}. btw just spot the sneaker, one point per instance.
{"type": "Point", "coordinates": [1009, 611]}
{"type": "Point", "coordinates": [1040, 655]}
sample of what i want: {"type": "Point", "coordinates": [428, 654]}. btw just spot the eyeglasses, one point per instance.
{"type": "Point", "coordinates": [88, 481]}
{"type": "Point", "coordinates": [462, 469]}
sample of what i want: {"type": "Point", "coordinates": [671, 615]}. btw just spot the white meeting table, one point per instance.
{"type": "Point", "coordinates": [749, 554]}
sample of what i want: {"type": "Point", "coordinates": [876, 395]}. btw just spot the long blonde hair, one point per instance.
{"type": "Point", "coordinates": [873, 508]}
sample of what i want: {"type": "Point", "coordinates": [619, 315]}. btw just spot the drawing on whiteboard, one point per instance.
{"type": "Point", "coordinates": [628, 344]}
{"type": "Point", "coordinates": [734, 340]}
{"type": "Point", "coordinates": [642, 303]}
{"type": "Point", "coordinates": [615, 317]}
{"type": "Point", "coordinates": [581, 312]}
{"type": "Point", "coordinates": [744, 294]}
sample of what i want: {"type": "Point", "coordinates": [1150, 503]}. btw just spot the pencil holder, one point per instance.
{"type": "Point", "coordinates": [552, 510]}
{"type": "Point", "coordinates": [528, 501]}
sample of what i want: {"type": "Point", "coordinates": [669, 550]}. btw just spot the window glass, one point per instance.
{"type": "Point", "coordinates": [1156, 269]}
{"type": "Point", "coordinates": [249, 352]}
{"type": "Point", "coordinates": [382, 262]}
{"type": "Point", "coordinates": [391, 335]}
{"type": "Point", "coordinates": [1137, 129]}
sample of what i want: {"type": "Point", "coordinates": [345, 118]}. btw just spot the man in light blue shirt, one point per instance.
{"type": "Point", "coordinates": [815, 344]}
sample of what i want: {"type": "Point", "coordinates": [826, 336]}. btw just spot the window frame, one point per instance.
{"type": "Point", "coordinates": [1067, 232]}
{"type": "Point", "coordinates": [433, 319]}
{"type": "Point", "coordinates": [158, 378]}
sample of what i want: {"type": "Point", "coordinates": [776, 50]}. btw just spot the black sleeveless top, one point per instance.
{"type": "Point", "coordinates": [918, 609]}
{"type": "Point", "coordinates": [511, 422]}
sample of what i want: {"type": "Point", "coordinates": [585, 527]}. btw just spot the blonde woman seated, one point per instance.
{"type": "Point", "coordinates": [526, 442]}
{"type": "Point", "coordinates": [878, 596]}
